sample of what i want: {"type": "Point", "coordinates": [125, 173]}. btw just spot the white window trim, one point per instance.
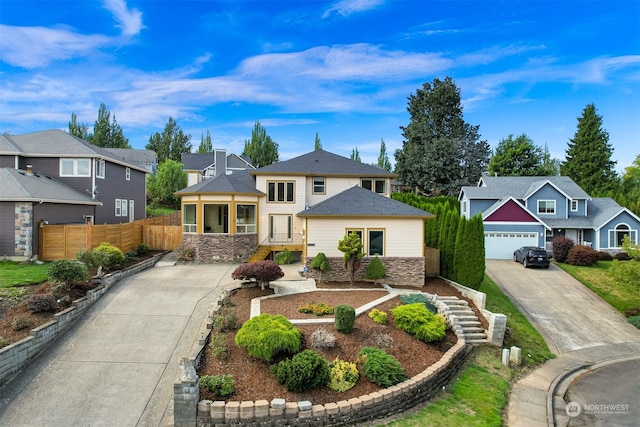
{"type": "Point", "coordinates": [188, 227]}
{"type": "Point", "coordinates": [546, 213]}
{"type": "Point", "coordinates": [118, 211]}
{"type": "Point", "coordinates": [125, 206]}
{"type": "Point", "coordinates": [75, 167]}
{"type": "Point", "coordinates": [128, 174]}
{"type": "Point", "coordinates": [613, 235]}
{"type": "Point", "coordinates": [100, 168]}
{"type": "Point", "coordinates": [576, 206]}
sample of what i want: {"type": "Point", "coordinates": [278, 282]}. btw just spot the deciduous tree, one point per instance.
{"type": "Point", "coordinates": [318, 144]}
{"type": "Point", "coordinates": [261, 149]}
{"type": "Point", "coordinates": [383, 158]}
{"type": "Point", "coordinates": [79, 130]}
{"type": "Point", "coordinates": [588, 156]}
{"type": "Point", "coordinates": [355, 155]}
{"type": "Point", "coordinates": [106, 132]}
{"type": "Point", "coordinates": [169, 179]}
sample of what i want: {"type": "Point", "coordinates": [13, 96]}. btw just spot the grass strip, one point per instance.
{"type": "Point", "coordinates": [19, 274]}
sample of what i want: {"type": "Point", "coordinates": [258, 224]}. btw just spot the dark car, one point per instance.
{"type": "Point", "coordinates": [532, 256]}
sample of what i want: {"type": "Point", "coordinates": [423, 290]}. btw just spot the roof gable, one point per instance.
{"type": "Point", "coordinates": [239, 182]}
{"type": "Point", "coordinates": [510, 210]}
{"type": "Point", "coordinates": [320, 162]}
{"type": "Point", "coordinates": [521, 187]}
{"type": "Point", "coordinates": [358, 201]}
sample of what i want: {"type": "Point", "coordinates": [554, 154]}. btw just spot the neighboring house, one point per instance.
{"type": "Point", "coordinates": [203, 166]}
{"type": "Point", "coordinates": [532, 211]}
{"type": "Point", "coordinates": [147, 159]}
{"type": "Point", "coordinates": [53, 177]}
{"type": "Point", "coordinates": [306, 204]}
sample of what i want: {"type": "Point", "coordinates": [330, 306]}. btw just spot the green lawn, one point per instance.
{"type": "Point", "coordinates": [159, 211]}
{"type": "Point", "coordinates": [597, 279]}
{"type": "Point", "coordinates": [18, 274]}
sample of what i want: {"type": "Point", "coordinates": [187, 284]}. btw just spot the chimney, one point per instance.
{"type": "Point", "coordinates": [220, 158]}
{"type": "Point", "coordinates": [29, 170]}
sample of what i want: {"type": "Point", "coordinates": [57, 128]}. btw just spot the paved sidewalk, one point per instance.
{"type": "Point", "coordinates": [116, 366]}
{"type": "Point", "coordinates": [578, 326]}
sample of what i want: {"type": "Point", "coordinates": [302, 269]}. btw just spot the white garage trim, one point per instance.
{"type": "Point", "coordinates": [500, 245]}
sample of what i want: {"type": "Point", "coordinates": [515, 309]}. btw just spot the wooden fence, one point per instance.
{"type": "Point", "coordinates": [65, 241]}
{"type": "Point", "coordinates": [431, 262]}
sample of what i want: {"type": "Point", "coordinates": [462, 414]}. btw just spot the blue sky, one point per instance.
{"type": "Point", "coordinates": [343, 69]}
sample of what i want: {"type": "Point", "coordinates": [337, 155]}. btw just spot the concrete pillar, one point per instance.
{"type": "Point", "coordinates": [505, 356]}
{"type": "Point", "coordinates": [497, 327]}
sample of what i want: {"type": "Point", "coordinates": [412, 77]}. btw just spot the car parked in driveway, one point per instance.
{"type": "Point", "coordinates": [532, 256]}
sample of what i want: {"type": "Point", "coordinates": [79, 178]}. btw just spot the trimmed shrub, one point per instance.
{"type": "Point", "coordinates": [561, 246]}
{"type": "Point", "coordinates": [218, 345]}
{"type": "Point", "coordinates": [220, 385]}
{"type": "Point", "coordinates": [379, 367]}
{"type": "Point", "coordinates": [87, 257]}
{"type": "Point", "coordinates": [107, 255]}
{"type": "Point", "coordinates": [131, 256]}
{"type": "Point", "coordinates": [265, 336]}
{"type": "Point", "coordinates": [142, 249]}
{"type": "Point", "coordinates": [582, 255]}
{"type": "Point", "coordinates": [375, 270]}
{"type": "Point", "coordinates": [224, 320]}
{"type": "Point", "coordinates": [284, 257]}
{"type": "Point", "coordinates": [345, 317]}
{"type": "Point", "coordinates": [262, 272]}
{"type": "Point", "coordinates": [416, 320]}
{"type": "Point", "coordinates": [342, 375]}
{"type": "Point", "coordinates": [305, 371]}
{"type": "Point", "coordinates": [20, 322]}
{"type": "Point", "coordinates": [604, 256]}
{"type": "Point", "coordinates": [67, 271]}
{"type": "Point", "coordinates": [39, 303]}
{"type": "Point", "coordinates": [635, 321]}
{"type": "Point", "coordinates": [321, 339]}
{"type": "Point", "coordinates": [414, 298]}
{"type": "Point", "coordinates": [320, 263]}
{"type": "Point", "coordinates": [378, 316]}
{"type": "Point", "coordinates": [318, 308]}
{"type": "Point", "coordinates": [622, 256]}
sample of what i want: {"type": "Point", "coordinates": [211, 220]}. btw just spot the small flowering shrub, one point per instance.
{"type": "Point", "coordinates": [342, 375]}
{"type": "Point", "coordinates": [321, 339]}
{"type": "Point", "coordinates": [416, 320]}
{"type": "Point", "coordinates": [39, 303]}
{"type": "Point", "coordinates": [265, 336]}
{"type": "Point", "coordinates": [380, 367]}
{"type": "Point", "coordinates": [262, 272]}
{"type": "Point", "coordinates": [378, 316]}
{"type": "Point", "coordinates": [220, 385]}
{"type": "Point", "coordinates": [304, 371]}
{"type": "Point", "coordinates": [318, 308]}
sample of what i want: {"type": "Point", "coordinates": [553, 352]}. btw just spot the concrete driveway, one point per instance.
{"type": "Point", "coordinates": [117, 365]}
{"type": "Point", "coordinates": [587, 334]}
{"type": "Point", "coordinates": [567, 314]}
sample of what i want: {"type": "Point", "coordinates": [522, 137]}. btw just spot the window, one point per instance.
{"type": "Point", "coordinates": [376, 242]}
{"type": "Point", "coordinates": [318, 185]}
{"type": "Point", "coordinates": [280, 191]}
{"type": "Point", "coordinates": [574, 206]}
{"type": "Point", "coordinates": [377, 185]}
{"type": "Point", "coordinates": [245, 219]}
{"type": "Point", "coordinates": [75, 167]}
{"type": "Point", "coordinates": [127, 174]}
{"type": "Point", "coordinates": [118, 207]}
{"type": "Point", "coordinates": [125, 212]}
{"type": "Point", "coordinates": [546, 206]}
{"type": "Point", "coordinates": [100, 168]}
{"type": "Point", "coordinates": [189, 218]}
{"type": "Point", "coordinates": [616, 236]}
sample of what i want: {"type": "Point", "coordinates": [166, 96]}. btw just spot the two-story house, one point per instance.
{"type": "Point", "coordinates": [305, 204]}
{"type": "Point", "coordinates": [532, 211]}
{"type": "Point", "coordinates": [53, 177]}
{"type": "Point", "coordinates": [199, 167]}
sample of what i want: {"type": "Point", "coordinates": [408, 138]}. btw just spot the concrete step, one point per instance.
{"type": "Point", "coordinates": [476, 341]}
{"type": "Point", "coordinates": [466, 317]}
{"type": "Point", "coordinates": [456, 302]}
{"type": "Point", "coordinates": [475, 335]}
{"type": "Point", "coordinates": [474, 329]}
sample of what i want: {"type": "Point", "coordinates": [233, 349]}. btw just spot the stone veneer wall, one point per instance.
{"type": "Point", "coordinates": [407, 271]}
{"type": "Point", "coordinates": [14, 357]}
{"type": "Point", "coordinates": [188, 411]}
{"type": "Point", "coordinates": [24, 229]}
{"type": "Point", "coordinates": [221, 248]}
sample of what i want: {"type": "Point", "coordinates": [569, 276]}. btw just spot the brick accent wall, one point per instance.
{"type": "Point", "coordinates": [24, 229]}
{"type": "Point", "coordinates": [221, 248]}
{"type": "Point", "coordinates": [400, 270]}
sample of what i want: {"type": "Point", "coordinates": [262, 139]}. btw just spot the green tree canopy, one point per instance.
{"type": "Point", "coordinates": [171, 143]}
{"type": "Point", "coordinates": [106, 132]}
{"type": "Point", "coordinates": [550, 166]}
{"type": "Point", "coordinates": [205, 147]}
{"type": "Point", "coordinates": [383, 158]}
{"type": "Point", "coordinates": [440, 152]}
{"type": "Point", "coordinates": [318, 144]}
{"type": "Point", "coordinates": [588, 156]}
{"type": "Point", "coordinates": [169, 179]}
{"type": "Point", "coordinates": [76, 129]}
{"type": "Point", "coordinates": [629, 194]}
{"type": "Point", "coordinates": [517, 156]}
{"type": "Point", "coordinates": [351, 247]}
{"type": "Point", "coordinates": [261, 149]}
{"type": "Point", "coordinates": [355, 155]}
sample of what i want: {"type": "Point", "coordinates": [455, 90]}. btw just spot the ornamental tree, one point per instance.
{"type": "Point", "coordinates": [351, 246]}
{"type": "Point", "coordinates": [262, 272]}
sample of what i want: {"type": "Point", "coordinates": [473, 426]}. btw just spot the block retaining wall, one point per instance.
{"type": "Point", "coordinates": [14, 357]}
{"type": "Point", "coordinates": [400, 270]}
{"type": "Point", "coordinates": [189, 411]}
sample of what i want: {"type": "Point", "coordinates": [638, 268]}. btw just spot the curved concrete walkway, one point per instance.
{"type": "Point", "coordinates": [578, 326]}
{"type": "Point", "coordinates": [117, 365]}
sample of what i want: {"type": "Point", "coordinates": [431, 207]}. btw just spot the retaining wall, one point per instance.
{"type": "Point", "coordinates": [14, 357]}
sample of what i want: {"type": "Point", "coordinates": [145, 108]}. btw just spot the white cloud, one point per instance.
{"type": "Point", "coordinates": [349, 7]}
{"type": "Point", "coordinates": [129, 20]}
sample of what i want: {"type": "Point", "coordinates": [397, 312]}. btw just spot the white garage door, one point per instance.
{"type": "Point", "coordinates": [499, 245]}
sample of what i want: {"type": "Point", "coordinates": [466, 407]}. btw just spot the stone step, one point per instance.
{"type": "Point", "coordinates": [471, 329]}
{"type": "Point", "coordinates": [466, 317]}
{"type": "Point", "coordinates": [476, 341]}
{"type": "Point", "coordinates": [475, 335]}
{"type": "Point", "coordinates": [457, 302]}
{"type": "Point", "coordinates": [469, 324]}
{"type": "Point", "coordinates": [459, 310]}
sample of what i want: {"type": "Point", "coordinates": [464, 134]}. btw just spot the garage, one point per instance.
{"type": "Point", "coordinates": [500, 245]}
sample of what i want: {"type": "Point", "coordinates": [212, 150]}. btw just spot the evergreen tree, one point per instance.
{"type": "Point", "coordinates": [205, 147]}
{"type": "Point", "coordinates": [355, 155]}
{"type": "Point", "coordinates": [79, 130]}
{"type": "Point", "coordinates": [171, 143]}
{"type": "Point", "coordinates": [588, 156]}
{"type": "Point", "coordinates": [383, 158]}
{"type": "Point", "coordinates": [318, 145]}
{"type": "Point", "coordinates": [460, 254]}
{"type": "Point", "coordinates": [447, 239]}
{"type": "Point", "coordinates": [351, 247]}
{"type": "Point", "coordinates": [516, 157]}
{"type": "Point", "coordinates": [440, 152]}
{"type": "Point", "coordinates": [469, 252]}
{"type": "Point", "coordinates": [549, 166]}
{"type": "Point", "coordinates": [107, 133]}
{"type": "Point", "coordinates": [261, 149]}
{"type": "Point", "coordinates": [629, 194]}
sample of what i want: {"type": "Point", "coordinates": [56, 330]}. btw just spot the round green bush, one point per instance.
{"type": "Point", "coordinates": [375, 270]}
{"type": "Point", "coordinates": [345, 317]}
{"type": "Point", "coordinates": [342, 375]}
{"type": "Point", "coordinates": [380, 367]}
{"type": "Point", "coordinates": [67, 271]}
{"type": "Point", "coordinates": [418, 321]}
{"type": "Point", "coordinates": [265, 335]}
{"type": "Point", "coordinates": [107, 255]}
{"type": "Point", "coordinates": [305, 371]}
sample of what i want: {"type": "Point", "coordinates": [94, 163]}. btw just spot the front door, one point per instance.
{"type": "Point", "coordinates": [280, 228]}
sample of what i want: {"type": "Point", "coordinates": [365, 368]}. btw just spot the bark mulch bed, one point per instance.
{"type": "Point", "coordinates": [253, 381]}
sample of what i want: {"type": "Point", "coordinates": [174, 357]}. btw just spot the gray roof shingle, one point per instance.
{"type": "Point", "coordinates": [521, 187]}
{"type": "Point", "coordinates": [239, 182]}
{"type": "Point", "coordinates": [18, 185]}
{"type": "Point", "coordinates": [358, 201]}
